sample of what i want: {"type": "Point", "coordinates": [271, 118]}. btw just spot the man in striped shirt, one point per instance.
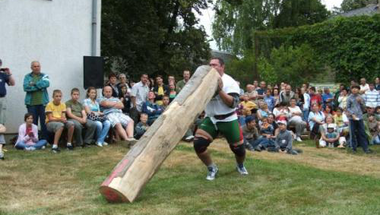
{"type": "Point", "coordinates": [372, 96]}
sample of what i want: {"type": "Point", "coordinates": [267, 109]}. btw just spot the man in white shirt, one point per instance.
{"type": "Point", "coordinates": [139, 94]}
{"type": "Point", "coordinates": [364, 87]}
{"type": "Point", "coordinates": [221, 118]}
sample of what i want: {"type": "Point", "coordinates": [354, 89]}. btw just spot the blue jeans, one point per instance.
{"type": "Point", "coordinates": [38, 111]}
{"type": "Point", "coordinates": [305, 113]}
{"type": "Point", "coordinates": [21, 145]}
{"type": "Point", "coordinates": [102, 130]}
{"type": "Point", "coordinates": [357, 135]}
{"type": "Point", "coordinates": [261, 141]}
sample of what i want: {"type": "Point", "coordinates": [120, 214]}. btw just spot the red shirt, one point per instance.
{"type": "Point", "coordinates": [315, 99]}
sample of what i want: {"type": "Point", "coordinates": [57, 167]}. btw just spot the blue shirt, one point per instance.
{"type": "Point", "coordinates": [325, 97]}
{"type": "Point", "coordinates": [270, 102]}
{"type": "Point", "coordinates": [4, 78]}
{"type": "Point", "coordinates": [93, 106]}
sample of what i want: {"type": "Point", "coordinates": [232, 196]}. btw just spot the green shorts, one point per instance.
{"type": "Point", "coordinates": [230, 130]}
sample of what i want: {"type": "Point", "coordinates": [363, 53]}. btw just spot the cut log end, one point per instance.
{"type": "Point", "coordinates": [112, 195]}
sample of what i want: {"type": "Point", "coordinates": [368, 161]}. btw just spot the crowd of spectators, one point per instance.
{"type": "Point", "coordinates": [271, 117]}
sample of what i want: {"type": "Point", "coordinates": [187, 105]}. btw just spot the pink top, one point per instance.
{"type": "Point", "coordinates": [24, 137]}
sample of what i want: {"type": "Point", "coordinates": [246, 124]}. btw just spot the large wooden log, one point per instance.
{"type": "Point", "coordinates": [134, 171]}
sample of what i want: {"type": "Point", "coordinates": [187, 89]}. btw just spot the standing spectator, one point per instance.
{"type": "Point", "coordinates": [28, 135]}
{"type": "Point", "coordinates": [314, 97]}
{"type": "Point", "coordinates": [112, 82]}
{"type": "Point", "coordinates": [337, 94]}
{"type": "Point", "coordinates": [276, 96]}
{"type": "Point", "coordinates": [56, 121]}
{"type": "Point", "coordinates": [327, 97]}
{"type": "Point", "coordinates": [92, 108]}
{"type": "Point", "coordinates": [160, 90]}
{"type": "Point", "coordinates": [316, 119]}
{"type": "Point", "coordinates": [296, 119]}
{"type": "Point", "coordinates": [123, 81]}
{"type": "Point", "coordinates": [171, 79]}
{"type": "Point", "coordinates": [165, 103]}
{"type": "Point", "coordinates": [139, 94]}
{"type": "Point", "coordinates": [36, 99]}
{"type": "Point", "coordinates": [342, 100]}
{"type": "Point", "coordinates": [152, 109]}
{"type": "Point", "coordinates": [355, 107]}
{"type": "Point", "coordinates": [5, 78]}
{"type": "Point", "coordinates": [364, 87]}
{"type": "Point", "coordinates": [372, 96]}
{"type": "Point", "coordinates": [269, 99]}
{"type": "Point", "coordinates": [256, 84]}
{"type": "Point", "coordinates": [377, 84]}
{"type": "Point", "coordinates": [77, 115]}
{"type": "Point", "coordinates": [124, 92]}
{"type": "Point", "coordinates": [286, 95]}
{"type": "Point", "coordinates": [183, 82]}
{"type": "Point", "coordinates": [123, 124]}
{"type": "Point", "coordinates": [281, 111]}
{"type": "Point", "coordinates": [306, 104]}
{"type": "Point", "coordinates": [172, 92]}
{"type": "Point", "coordinates": [261, 90]}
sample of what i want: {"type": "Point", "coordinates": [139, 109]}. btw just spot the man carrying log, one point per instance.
{"type": "Point", "coordinates": [221, 117]}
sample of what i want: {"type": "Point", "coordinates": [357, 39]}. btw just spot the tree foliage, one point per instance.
{"type": "Point", "coordinates": [153, 36]}
{"type": "Point", "coordinates": [348, 45]}
{"type": "Point", "coordinates": [234, 22]}
{"type": "Point", "coordinates": [348, 5]}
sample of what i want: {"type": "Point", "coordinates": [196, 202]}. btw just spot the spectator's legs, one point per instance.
{"type": "Point", "coordinates": [77, 132]}
{"type": "Point", "coordinates": [353, 135]}
{"type": "Point", "coordinates": [361, 136]}
{"type": "Point", "coordinates": [57, 135]}
{"type": "Point", "coordinates": [305, 113]}
{"type": "Point", "coordinates": [40, 144]}
{"type": "Point", "coordinates": [104, 131]}
{"type": "Point", "coordinates": [42, 115]}
{"type": "Point", "coordinates": [70, 131]}
{"type": "Point", "coordinates": [33, 110]}
{"type": "Point", "coordinates": [90, 132]}
{"type": "Point", "coordinates": [21, 145]}
{"type": "Point", "coordinates": [130, 129]}
{"type": "Point", "coordinates": [120, 130]}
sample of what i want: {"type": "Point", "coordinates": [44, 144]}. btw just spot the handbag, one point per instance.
{"type": "Point", "coordinates": [96, 117]}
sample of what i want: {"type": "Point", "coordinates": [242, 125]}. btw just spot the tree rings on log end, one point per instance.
{"type": "Point", "coordinates": [112, 195]}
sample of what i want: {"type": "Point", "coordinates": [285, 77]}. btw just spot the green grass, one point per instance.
{"type": "Point", "coordinates": [67, 183]}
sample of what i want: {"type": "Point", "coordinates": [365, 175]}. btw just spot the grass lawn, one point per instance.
{"type": "Point", "coordinates": [319, 181]}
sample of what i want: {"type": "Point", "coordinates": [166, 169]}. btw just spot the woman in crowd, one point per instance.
{"type": "Point", "coordinates": [316, 119]}
{"type": "Point", "coordinates": [28, 135]}
{"type": "Point", "coordinates": [296, 119]}
{"type": "Point", "coordinates": [276, 96]}
{"type": "Point", "coordinates": [92, 108]}
{"type": "Point", "coordinates": [342, 99]}
{"type": "Point", "coordinates": [328, 110]}
{"type": "Point", "coordinates": [172, 92]}
{"type": "Point", "coordinates": [281, 112]}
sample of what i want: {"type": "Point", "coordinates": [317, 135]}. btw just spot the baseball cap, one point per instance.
{"type": "Point", "coordinates": [282, 122]}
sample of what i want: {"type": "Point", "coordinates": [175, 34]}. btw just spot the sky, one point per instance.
{"type": "Point", "coordinates": [208, 15]}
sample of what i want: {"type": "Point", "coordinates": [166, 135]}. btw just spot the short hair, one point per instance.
{"type": "Point", "coordinates": [355, 86]}
{"type": "Point", "coordinates": [221, 61]}
{"type": "Point", "coordinates": [112, 75]}
{"type": "Point", "coordinates": [312, 88]}
{"type": "Point", "coordinates": [165, 96]}
{"type": "Point", "coordinates": [89, 90]}
{"type": "Point", "coordinates": [74, 90]}
{"type": "Point", "coordinates": [144, 74]}
{"type": "Point", "coordinates": [159, 76]}
{"type": "Point", "coordinates": [122, 75]}
{"type": "Point", "coordinates": [33, 62]}
{"type": "Point", "coordinates": [27, 115]}
{"type": "Point", "coordinates": [56, 92]}
{"type": "Point", "coordinates": [143, 114]}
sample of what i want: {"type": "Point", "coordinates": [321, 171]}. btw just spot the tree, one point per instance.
{"type": "Point", "coordinates": [234, 23]}
{"type": "Point", "coordinates": [153, 36]}
{"type": "Point", "coordinates": [348, 5]}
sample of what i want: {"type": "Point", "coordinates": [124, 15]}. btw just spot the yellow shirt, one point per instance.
{"type": "Point", "coordinates": [160, 92]}
{"type": "Point", "coordinates": [56, 110]}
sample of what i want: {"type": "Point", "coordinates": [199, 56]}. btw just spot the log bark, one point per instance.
{"type": "Point", "coordinates": [139, 165]}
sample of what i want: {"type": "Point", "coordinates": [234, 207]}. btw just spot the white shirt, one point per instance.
{"type": "Point", "coordinates": [306, 104]}
{"type": "Point", "coordinates": [364, 88]}
{"type": "Point", "coordinates": [217, 107]}
{"type": "Point", "coordinates": [140, 92]}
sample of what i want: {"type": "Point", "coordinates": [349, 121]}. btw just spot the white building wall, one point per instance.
{"type": "Point", "coordinates": [55, 32]}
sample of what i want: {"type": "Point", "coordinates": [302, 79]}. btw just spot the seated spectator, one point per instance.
{"type": "Point", "coordinates": [276, 96]}
{"type": "Point", "coordinates": [341, 122]}
{"type": "Point", "coordinates": [151, 109]}
{"type": "Point", "coordinates": [272, 121]}
{"type": "Point", "coordinates": [284, 140]}
{"type": "Point", "coordinates": [329, 134]}
{"type": "Point", "coordinates": [56, 121]}
{"type": "Point", "coordinates": [281, 111]}
{"type": "Point", "coordinates": [92, 109]}
{"type": "Point", "coordinates": [165, 103]}
{"type": "Point", "coordinates": [142, 126]}
{"type": "Point", "coordinates": [376, 137]}
{"type": "Point", "coordinates": [77, 115]}
{"type": "Point", "coordinates": [328, 110]}
{"type": "Point", "coordinates": [28, 135]}
{"type": "Point", "coordinates": [172, 92]}
{"type": "Point", "coordinates": [316, 119]}
{"type": "Point", "coordinates": [269, 100]}
{"type": "Point", "coordinates": [251, 92]}
{"type": "Point", "coordinates": [267, 134]}
{"type": "Point", "coordinates": [296, 119]}
{"type": "Point", "coordinates": [181, 84]}
{"type": "Point", "coordinates": [370, 122]}
{"type": "Point", "coordinates": [125, 98]}
{"type": "Point", "coordinates": [251, 134]}
{"type": "Point", "coordinates": [286, 95]}
{"type": "Point", "coordinates": [245, 109]}
{"type": "Point", "coordinates": [160, 90]}
{"type": "Point", "coordinates": [171, 79]}
{"type": "Point", "coordinates": [123, 82]}
{"type": "Point", "coordinates": [261, 91]}
{"type": "Point", "coordinates": [122, 123]}
{"type": "Point", "coordinates": [263, 110]}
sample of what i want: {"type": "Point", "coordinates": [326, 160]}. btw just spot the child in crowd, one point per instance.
{"type": "Point", "coordinates": [284, 140]}
{"type": "Point", "coordinates": [376, 138]}
{"type": "Point", "coordinates": [165, 102]}
{"type": "Point", "coordinates": [28, 135]}
{"type": "Point", "coordinates": [2, 140]}
{"type": "Point", "coordinates": [245, 108]}
{"type": "Point", "coordinates": [152, 109]}
{"type": "Point", "coordinates": [142, 126]}
{"type": "Point", "coordinates": [251, 134]}
{"type": "Point", "coordinates": [56, 121]}
{"type": "Point", "coordinates": [341, 121]}
{"type": "Point", "coordinates": [267, 134]}
{"type": "Point", "coordinates": [330, 135]}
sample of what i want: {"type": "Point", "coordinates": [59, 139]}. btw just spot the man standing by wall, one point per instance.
{"type": "Point", "coordinates": [139, 95]}
{"type": "Point", "coordinates": [5, 78]}
{"type": "Point", "coordinates": [35, 86]}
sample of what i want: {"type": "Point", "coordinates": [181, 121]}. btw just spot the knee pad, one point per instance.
{"type": "Point", "coordinates": [201, 144]}
{"type": "Point", "coordinates": [238, 150]}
